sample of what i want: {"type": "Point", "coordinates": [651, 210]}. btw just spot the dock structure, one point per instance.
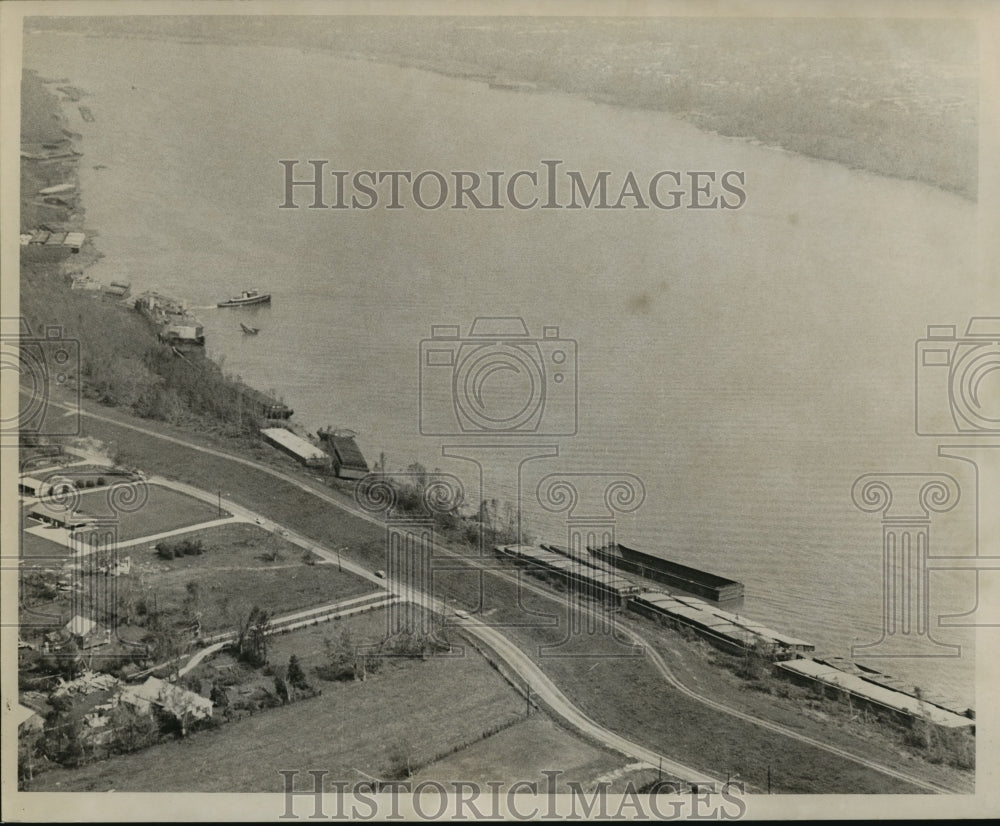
{"type": "Point", "coordinates": [174, 325]}
{"type": "Point", "coordinates": [348, 461]}
{"type": "Point", "coordinates": [871, 692]}
{"type": "Point", "coordinates": [683, 577]}
{"type": "Point", "coordinates": [295, 446]}
{"type": "Point", "coordinates": [730, 632]}
{"type": "Point", "coordinates": [591, 578]}
{"type": "Point", "coordinates": [44, 244]}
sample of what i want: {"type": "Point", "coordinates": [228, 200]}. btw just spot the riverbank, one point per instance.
{"type": "Point", "coordinates": [122, 361]}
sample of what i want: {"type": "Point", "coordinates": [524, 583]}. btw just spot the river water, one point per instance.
{"type": "Point", "coordinates": [746, 365]}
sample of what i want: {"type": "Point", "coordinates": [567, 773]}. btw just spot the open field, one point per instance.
{"type": "Point", "coordinates": [41, 551]}
{"type": "Point", "coordinates": [234, 574]}
{"type": "Point", "coordinates": [420, 708]}
{"type": "Point", "coordinates": [220, 585]}
{"type": "Point", "coordinates": [522, 753]}
{"type": "Point", "coordinates": [164, 510]}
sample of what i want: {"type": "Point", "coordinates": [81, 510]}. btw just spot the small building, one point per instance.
{"type": "Point", "coordinates": [71, 521]}
{"type": "Point", "coordinates": [74, 240]}
{"type": "Point", "coordinates": [184, 705]}
{"type": "Point", "coordinates": [185, 330]}
{"type": "Point", "coordinates": [85, 282]}
{"type": "Point", "coordinates": [86, 633]}
{"type": "Point", "coordinates": [119, 289]}
{"type": "Point", "coordinates": [348, 462]}
{"type": "Point", "coordinates": [30, 486]}
{"type": "Point", "coordinates": [295, 446]}
{"type": "Point", "coordinates": [28, 720]}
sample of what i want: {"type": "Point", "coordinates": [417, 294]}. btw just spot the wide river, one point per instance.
{"type": "Point", "coordinates": [747, 365]}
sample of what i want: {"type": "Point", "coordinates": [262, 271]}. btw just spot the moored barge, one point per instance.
{"type": "Point", "coordinates": [683, 577]}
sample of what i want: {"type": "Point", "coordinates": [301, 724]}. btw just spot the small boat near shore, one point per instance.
{"type": "Point", "coordinates": [250, 331]}
{"type": "Point", "coordinates": [246, 299]}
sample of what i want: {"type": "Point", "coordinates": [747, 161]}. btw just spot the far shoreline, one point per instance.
{"type": "Point", "coordinates": [852, 153]}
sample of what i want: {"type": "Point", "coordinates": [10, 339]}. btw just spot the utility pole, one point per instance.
{"type": "Point", "coordinates": [527, 699]}
{"type": "Point", "coordinates": [220, 503]}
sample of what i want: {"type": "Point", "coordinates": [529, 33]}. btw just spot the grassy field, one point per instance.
{"type": "Point", "coordinates": [242, 566]}
{"type": "Point", "coordinates": [422, 708]}
{"type": "Point", "coordinates": [164, 510]}
{"type": "Point", "coordinates": [42, 551]}
{"type": "Point", "coordinates": [522, 753]}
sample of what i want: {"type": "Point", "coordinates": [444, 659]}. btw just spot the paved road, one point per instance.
{"type": "Point", "coordinates": [511, 653]}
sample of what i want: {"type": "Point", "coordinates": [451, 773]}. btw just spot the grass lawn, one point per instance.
{"type": "Point", "coordinates": [522, 753]}
{"type": "Point", "coordinates": [164, 510]}
{"type": "Point", "coordinates": [41, 551]}
{"type": "Point", "coordinates": [242, 566]}
{"type": "Point", "coordinates": [424, 708]}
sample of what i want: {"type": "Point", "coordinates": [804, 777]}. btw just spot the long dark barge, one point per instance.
{"type": "Point", "coordinates": [693, 581]}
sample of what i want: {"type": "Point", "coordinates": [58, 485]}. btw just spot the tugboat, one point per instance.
{"type": "Point", "coordinates": [246, 299]}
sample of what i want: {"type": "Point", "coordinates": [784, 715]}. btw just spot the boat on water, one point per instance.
{"type": "Point", "coordinates": [250, 331]}
{"type": "Point", "coordinates": [246, 299]}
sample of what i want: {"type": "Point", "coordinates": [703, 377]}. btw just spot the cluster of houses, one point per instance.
{"type": "Point", "coordinates": [102, 693]}
{"type": "Point", "coordinates": [71, 241]}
